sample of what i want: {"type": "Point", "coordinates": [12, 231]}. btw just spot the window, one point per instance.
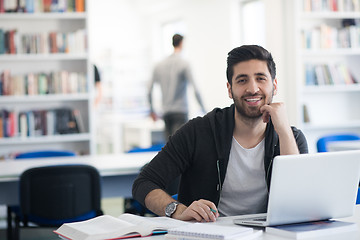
{"type": "Point", "coordinates": [252, 22]}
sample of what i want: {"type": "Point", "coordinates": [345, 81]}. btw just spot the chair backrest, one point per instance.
{"type": "Point", "coordinates": [322, 142]}
{"type": "Point", "coordinates": [53, 195]}
{"type": "Point", "coordinates": [44, 154]}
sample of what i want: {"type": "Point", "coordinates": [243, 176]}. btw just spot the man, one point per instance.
{"type": "Point", "coordinates": [173, 74]}
{"type": "Point", "coordinates": [225, 158]}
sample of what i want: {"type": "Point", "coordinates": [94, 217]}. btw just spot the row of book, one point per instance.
{"type": "Point", "coordinates": [331, 5]}
{"type": "Point", "coordinates": [62, 82]}
{"type": "Point", "coordinates": [13, 42]}
{"type": "Point", "coordinates": [328, 74]}
{"type": "Point", "coordinates": [40, 122]}
{"type": "Point", "coordinates": [39, 6]}
{"type": "Point", "coordinates": [328, 37]}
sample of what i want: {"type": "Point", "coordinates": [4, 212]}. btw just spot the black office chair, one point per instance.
{"type": "Point", "coordinates": [53, 195]}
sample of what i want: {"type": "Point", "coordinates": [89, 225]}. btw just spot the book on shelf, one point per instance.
{"type": "Point", "coordinates": [331, 5]}
{"type": "Point", "coordinates": [328, 74]}
{"type": "Point", "coordinates": [312, 229]}
{"type": "Point", "coordinates": [40, 122]}
{"type": "Point", "coordinates": [125, 226]}
{"type": "Point", "coordinates": [15, 42]}
{"type": "Point", "coordinates": [325, 36]}
{"type": "Point", "coordinates": [43, 6]}
{"type": "Point", "coordinates": [211, 231]}
{"type": "Point", "coordinates": [62, 82]}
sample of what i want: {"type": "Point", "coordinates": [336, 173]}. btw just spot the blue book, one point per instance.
{"type": "Point", "coordinates": [310, 75]}
{"type": "Point", "coordinates": [29, 6]}
{"type": "Point", "coordinates": [2, 41]}
{"type": "Point", "coordinates": [312, 229]}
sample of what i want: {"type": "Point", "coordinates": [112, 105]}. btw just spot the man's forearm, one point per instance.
{"type": "Point", "coordinates": [287, 143]}
{"type": "Point", "coordinates": [157, 200]}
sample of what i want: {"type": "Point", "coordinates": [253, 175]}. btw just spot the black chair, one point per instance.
{"type": "Point", "coordinates": [53, 195]}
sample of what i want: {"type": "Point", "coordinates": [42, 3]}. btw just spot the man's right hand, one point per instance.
{"type": "Point", "coordinates": [201, 211]}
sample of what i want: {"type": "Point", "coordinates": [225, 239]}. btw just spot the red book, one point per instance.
{"type": "Point", "coordinates": [53, 44]}
{"type": "Point", "coordinates": [47, 5]}
{"type": "Point", "coordinates": [12, 47]}
{"type": "Point", "coordinates": [2, 9]}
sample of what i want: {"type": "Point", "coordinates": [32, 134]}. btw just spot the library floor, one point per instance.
{"type": "Point", "coordinates": [110, 206]}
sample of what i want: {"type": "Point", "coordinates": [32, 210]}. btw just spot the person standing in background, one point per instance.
{"type": "Point", "coordinates": [98, 88]}
{"type": "Point", "coordinates": [173, 75]}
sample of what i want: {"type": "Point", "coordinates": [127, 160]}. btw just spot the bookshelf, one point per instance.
{"type": "Point", "coordinates": [327, 55]}
{"type": "Point", "coordinates": [47, 71]}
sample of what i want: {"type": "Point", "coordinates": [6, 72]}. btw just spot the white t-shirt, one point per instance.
{"type": "Point", "coordinates": [244, 189]}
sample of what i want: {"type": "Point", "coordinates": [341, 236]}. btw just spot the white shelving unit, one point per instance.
{"type": "Point", "coordinates": [21, 64]}
{"type": "Point", "coordinates": [331, 108]}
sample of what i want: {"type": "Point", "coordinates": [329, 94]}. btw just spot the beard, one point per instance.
{"type": "Point", "coordinates": [248, 112]}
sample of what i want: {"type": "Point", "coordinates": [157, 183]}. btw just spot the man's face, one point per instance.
{"type": "Point", "coordinates": [252, 87]}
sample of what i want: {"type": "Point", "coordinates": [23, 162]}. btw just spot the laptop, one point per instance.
{"type": "Point", "coordinates": [309, 187]}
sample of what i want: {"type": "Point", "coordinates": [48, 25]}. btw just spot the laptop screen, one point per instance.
{"type": "Point", "coordinates": [310, 187]}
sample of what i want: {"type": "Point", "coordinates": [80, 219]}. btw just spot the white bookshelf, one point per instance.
{"type": "Point", "coordinates": [331, 108]}
{"type": "Point", "coordinates": [43, 57]}
{"type": "Point", "coordinates": [21, 64]}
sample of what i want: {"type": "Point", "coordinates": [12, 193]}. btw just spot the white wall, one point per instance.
{"type": "Point", "coordinates": [212, 31]}
{"type": "Point", "coordinates": [207, 43]}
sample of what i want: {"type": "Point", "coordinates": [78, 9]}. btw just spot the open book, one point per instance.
{"type": "Point", "coordinates": [125, 226]}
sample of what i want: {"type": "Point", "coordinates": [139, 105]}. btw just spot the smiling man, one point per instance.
{"type": "Point", "coordinates": [225, 158]}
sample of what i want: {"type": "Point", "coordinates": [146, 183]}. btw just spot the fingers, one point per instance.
{"type": "Point", "coordinates": [201, 210]}
{"type": "Point", "coordinates": [277, 112]}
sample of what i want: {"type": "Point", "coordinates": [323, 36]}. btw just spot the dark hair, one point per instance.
{"type": "Point", "coordinates": [249, 52]}
{"type": "Point", "coordinates": [177, 39]}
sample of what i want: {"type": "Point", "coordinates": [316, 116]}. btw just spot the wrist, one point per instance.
{"type": "Point", "coordinates": [179, 210]}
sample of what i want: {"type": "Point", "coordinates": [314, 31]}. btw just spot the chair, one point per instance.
{"type": "Point", "coordinates": [35, 154]}
{"type": "Point", "coordinates": [53, 195]}
{"type": "Point", "coordinates": [323, 141]}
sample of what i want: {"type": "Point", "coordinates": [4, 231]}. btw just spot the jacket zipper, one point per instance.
{"type": "Point", "coordinates": [268, 170]}
{"type": "Point", "coordinates": [219, 179]}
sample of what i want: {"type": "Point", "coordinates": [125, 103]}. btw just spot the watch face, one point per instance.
{"type": "Point", "coordinates": [170, 208]}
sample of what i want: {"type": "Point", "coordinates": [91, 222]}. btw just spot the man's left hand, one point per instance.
{"type": "Point", "coordinates": [277, 112]}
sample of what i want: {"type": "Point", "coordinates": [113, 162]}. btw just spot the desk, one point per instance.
{"type": "Point", "coordinates": [228, 221]}
{"type": "Point", "coordinates": [117, 172]}
{"type": "Point", "coordinates": [344, 145]}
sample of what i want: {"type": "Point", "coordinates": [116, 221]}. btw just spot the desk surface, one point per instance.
{"type": "Point", "coordinates": [228, 221]}
{"type": "Point", "coordinates": [108, 165]}
{"type": "Point", "coordinates": [344, 145]}
{"type": "Point", "coordinates": [117, 172]}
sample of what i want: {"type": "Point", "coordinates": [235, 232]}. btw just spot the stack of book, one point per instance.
{"type": "Point", "coordinates": [312, 229]}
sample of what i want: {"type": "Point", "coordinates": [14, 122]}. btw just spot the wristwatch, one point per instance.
{"type": "Point", "coordinates": [171, 208]}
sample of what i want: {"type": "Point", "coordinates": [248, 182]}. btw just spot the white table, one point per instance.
{"type": "Point", "coordinates": [344, 145]}
{"type": "Point", "coordinates": [117, 172]}
{"type": "Point", "coordinates": [228, 221]}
